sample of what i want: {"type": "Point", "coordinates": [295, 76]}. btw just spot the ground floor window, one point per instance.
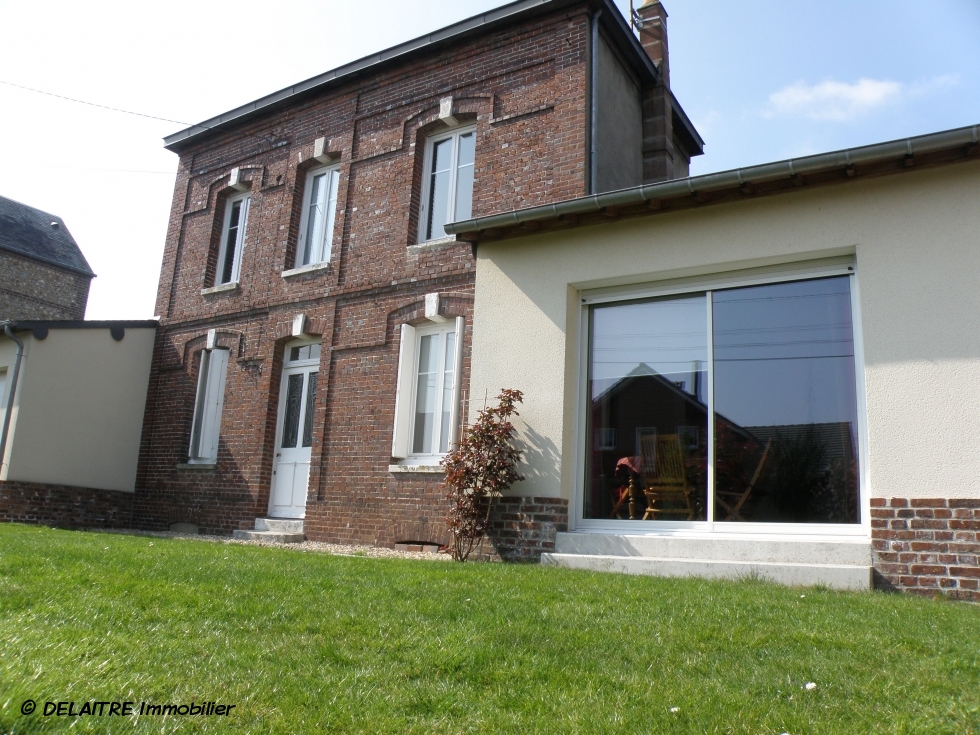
{"type": "Point", "coordinates": [725, 405]}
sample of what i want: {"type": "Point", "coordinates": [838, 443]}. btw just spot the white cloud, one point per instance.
{"type": "Point", "coordinates": [841, 102]}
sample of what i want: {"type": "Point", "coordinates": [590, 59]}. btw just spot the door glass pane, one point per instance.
{"type": "Point", "coordinates": [425, 394]}
{"type": "Point", "coordinates": [464, 177]}
{"type": "Point", "coordinates": [439, 188]}
{"type": "Point", "coordinates": [314, 221]}
{"type": "Point", "coordinates": [785, 403]}
{"type": "Point", "coordinates": [648, 415]}
{"type": "Point", "coordinates": [445, 425]}
{"type": "Point", "coordinates": [231, 242]}
{"type": "Point", "coordinates": [308, 410]}
{"type": "Point", "coordinates": [290, 420]}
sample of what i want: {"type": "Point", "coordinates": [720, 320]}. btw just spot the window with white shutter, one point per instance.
{"type": "Point", "coordinates": [427, 393]}
{"type": "Point", "coordinates": [207, 408]}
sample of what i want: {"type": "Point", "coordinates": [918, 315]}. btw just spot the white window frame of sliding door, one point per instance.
{"type": "Point", "coordinates": [840, 266]}
{"type": "Point", "coordinates": [424, 204]}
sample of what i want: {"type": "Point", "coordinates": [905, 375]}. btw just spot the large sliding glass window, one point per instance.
{"type": "Point", "coordinates": [772, 364]}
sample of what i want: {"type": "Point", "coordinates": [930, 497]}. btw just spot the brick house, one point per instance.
{"type": "Point", "coordinates": [43, 274]}
{"type": "Point", "coordinates": [312, 359]}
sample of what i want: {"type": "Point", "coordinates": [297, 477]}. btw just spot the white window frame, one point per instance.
{"type": "Point", "coordinates": [320, 251]}
{"type": "Point", "coordinates": [430, 143]}
{"type": "Point", "coordinates": [246, 200]}
{"type": "Point", "coordinates": [403, 440]}
{"type": "Point", "coordinates": [843, 266]}
{"type": "Point", "coordinates": [208, 405]}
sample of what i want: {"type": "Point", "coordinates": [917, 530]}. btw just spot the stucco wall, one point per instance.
{"type": "Point", "coordinates": [619, 125]}
{"type": "Point", "coordinates": [78, 409]}
{"type": "Point", "coordinates": [916, 240]}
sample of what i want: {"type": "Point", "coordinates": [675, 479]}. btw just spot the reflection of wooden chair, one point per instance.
{"type": "Point", "coordinates": [737, 498]}
{"type": "Point", "coordinates": [664, 477]}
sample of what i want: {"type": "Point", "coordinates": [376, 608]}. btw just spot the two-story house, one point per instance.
{"type": "Point", "coordinates": [312, 359]}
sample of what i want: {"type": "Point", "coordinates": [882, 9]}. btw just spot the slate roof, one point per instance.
{"type": "Point", "coordinates": [29, 232]}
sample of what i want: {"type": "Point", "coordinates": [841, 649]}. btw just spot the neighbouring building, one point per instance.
{"type": "Point", "coordinates": [43, 274]}
{"type": "Point", "coordinates": [71, 412]}
{"type": "Point", "coordinates": [770, 371]}
{"type": "Point", "coordinates": [313, 356]}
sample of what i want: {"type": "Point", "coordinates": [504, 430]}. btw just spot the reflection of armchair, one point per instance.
{"type": "Point", "coordinates": [665, 477]}
{"type": "Point", "coordinates": [626, 492]}
{"type": "Point", "coordinates": [736, 498]}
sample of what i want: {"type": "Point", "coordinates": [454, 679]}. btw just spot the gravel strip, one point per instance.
{"type": "Point", "coordinates": [315, 546]}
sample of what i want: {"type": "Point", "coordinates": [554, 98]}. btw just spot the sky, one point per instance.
{"type": "Point", "coordinates": [762, 80]}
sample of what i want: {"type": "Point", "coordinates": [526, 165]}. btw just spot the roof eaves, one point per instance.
{"type": "Point", "coordinates": [714, 182]}
{"type": "Point", "coordinates": [50, 261]}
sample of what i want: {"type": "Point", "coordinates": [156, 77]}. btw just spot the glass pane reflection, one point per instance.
{"type": "Point", "coordinates": [648, 416]}
{"type": "Point", "coordinates": [785, 402]}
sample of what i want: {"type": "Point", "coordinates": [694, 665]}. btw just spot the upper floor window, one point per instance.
{"type": "Point", "coordinates": [232, 239]}
{"type": "Point", "coordinates": [447, 186]}
{"type": "Point", "coordinates": [316, 226]}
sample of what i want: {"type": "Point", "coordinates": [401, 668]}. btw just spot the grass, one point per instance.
{"type": "Point", "coordinates": [304, 642]}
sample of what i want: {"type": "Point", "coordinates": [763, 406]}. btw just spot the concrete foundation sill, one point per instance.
{"type": "Point", "coordinates": [416, 469]}
{"type": "Point", "coordinates": [223, 288]}
{"type": "Point", "coordinates": [196, 466]}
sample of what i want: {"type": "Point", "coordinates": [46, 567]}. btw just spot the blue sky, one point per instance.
{"type": "Point", "coordinates": [761, 79]}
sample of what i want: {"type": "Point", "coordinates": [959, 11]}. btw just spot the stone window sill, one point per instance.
{"type": "Point", "coordinates": [224, 287]}
{"type": "Point", "coordinates": [312, 268]}
{"type": "Point", "coordinates": [197, 465]}
{"type": "Point", "coordinates": [442, 242]}
{"type": "Point", "coordinates": [416, 469]}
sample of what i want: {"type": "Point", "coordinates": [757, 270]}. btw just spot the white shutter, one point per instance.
{"type": "Point", "coordinates": [199, 403]}
{"type": "Point", "coordinates": [214, 398]}
{"type": "Point", "coordinates": [404, 389]}
{"type": "Point", "coordinates": [457, 381]}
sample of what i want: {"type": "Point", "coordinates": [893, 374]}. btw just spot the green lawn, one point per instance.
{"type": "Point", "coordinates": [304, 642]}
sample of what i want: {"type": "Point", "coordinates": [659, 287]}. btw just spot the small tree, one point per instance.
{"type": "Point", "coordinates": [482, 465]}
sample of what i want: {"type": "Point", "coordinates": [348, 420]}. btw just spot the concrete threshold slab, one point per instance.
{"type": "Point", "coordinates": [835, 576]}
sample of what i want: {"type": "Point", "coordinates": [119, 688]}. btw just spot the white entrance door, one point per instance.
{"type": "Point", "coordinates": [294, 433]}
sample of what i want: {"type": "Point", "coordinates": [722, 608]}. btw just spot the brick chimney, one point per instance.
{"type": "Point", "coordinates": [651, 18]}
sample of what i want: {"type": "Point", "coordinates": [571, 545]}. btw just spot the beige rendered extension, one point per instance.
{"type": "Point", "coordinates": [915, 243]}
{"type": "Point", "coordinates": [78, 409]}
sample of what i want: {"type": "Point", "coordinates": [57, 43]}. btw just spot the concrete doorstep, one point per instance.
{"type": "Point", "coordinates": [274, 530]}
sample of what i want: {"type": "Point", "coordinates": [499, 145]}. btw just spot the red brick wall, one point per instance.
{"type": "Point", "coordinates": [64, 506]}
{"type": "Point", "coordinates": [524, 86]}
{"type": "Point", "coordinates": [521, 529]}
{"type": "Point", "coordinates": [927, 546]}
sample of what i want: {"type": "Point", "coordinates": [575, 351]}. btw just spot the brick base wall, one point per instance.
{"type": "Point", "coordinates": [927, 546]}
{"type": "Point", "coordinates": [521, 529]}
{"type": "Point", "coordinates": [64, 506]}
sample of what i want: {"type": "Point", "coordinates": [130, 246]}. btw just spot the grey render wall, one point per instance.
{"type": "Point", "coordinates": [30, 289]}
{"type": "Point", "coordinates": [619, 125]}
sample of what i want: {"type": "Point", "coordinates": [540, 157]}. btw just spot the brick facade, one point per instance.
{"type": "Point", "coordinates": [523, 85]}
{"type": "Point", "coordinates": [521, 529]}
{"type": "Point", "coordinates": [30, 289]}
{"type": "Point", "coordinates": [927, 546]}
{"type": "Point", "coordinates": [64, 506]}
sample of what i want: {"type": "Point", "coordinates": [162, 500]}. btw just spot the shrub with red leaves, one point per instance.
{"type": "Point", "coordinates": [480, 467]}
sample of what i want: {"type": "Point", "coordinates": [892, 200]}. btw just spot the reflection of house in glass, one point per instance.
{"type": "Point", "coordinates": [798, 472]}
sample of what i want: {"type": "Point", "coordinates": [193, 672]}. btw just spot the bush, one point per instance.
{"type": "Point", "coordinates": [480, 467]}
